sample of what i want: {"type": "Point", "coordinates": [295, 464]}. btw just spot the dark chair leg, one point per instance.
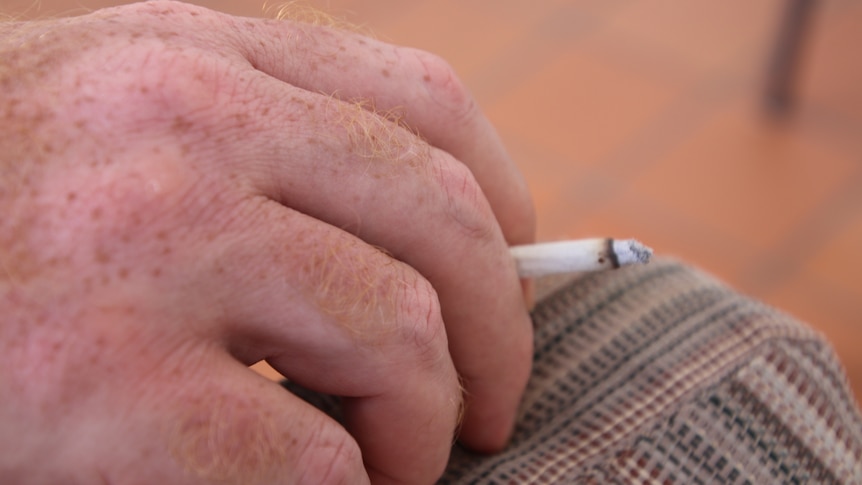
{"type": "Point", "coordinates": [786, 56]}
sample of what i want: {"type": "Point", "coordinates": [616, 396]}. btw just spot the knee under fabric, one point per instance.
{"type": "Point", "coordinates": [661, 374]}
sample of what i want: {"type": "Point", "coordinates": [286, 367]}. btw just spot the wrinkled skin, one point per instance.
{"type": "Point", "coordinates": [185, 193]}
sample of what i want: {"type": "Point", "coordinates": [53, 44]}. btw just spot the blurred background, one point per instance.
{"type": "Point", "coordinates": [652, 120]}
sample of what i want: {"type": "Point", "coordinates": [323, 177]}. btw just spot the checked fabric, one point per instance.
{"type": "Point", "coordinates": [661, 375]}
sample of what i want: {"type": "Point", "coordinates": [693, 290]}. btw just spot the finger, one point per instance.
{"type": "Point", "coordinates": [421, 88]}
{"type": "Point", "coordinates": [358, 171]}
{"type": "Point", "coordinates": [338, 316]}
{"type": "Point", "coordinates": [230, 426]}
{"type": "Point", "coordinates": [193, 415]}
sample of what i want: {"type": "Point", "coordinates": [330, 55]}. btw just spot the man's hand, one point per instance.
{"type": "Point", "coordinates": [184, 193]}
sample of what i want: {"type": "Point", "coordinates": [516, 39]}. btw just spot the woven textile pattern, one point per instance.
{"type": "Point", "coordinates": [661, 375]}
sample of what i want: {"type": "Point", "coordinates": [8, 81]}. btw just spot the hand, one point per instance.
{"type": "Point", "coordinates": [185, 193]}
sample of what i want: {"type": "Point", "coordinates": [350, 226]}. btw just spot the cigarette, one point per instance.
{"type": "Point", "coordinates": [579, 255]}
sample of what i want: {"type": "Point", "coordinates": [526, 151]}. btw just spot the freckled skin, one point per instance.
{"type": "Point", "coordinates": [186, 193]}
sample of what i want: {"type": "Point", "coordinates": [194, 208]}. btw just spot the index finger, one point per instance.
{"type": "Point", "coordinates": [420, 89]}
{"type": "Point", "coordinates": [436, 105]}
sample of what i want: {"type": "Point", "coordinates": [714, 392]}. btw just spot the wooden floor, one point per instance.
{"type": "Point", "coordinates": [645, 119]}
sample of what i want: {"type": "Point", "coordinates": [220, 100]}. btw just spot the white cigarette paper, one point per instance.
{"type": "Point", "coordinates": [579, 255]}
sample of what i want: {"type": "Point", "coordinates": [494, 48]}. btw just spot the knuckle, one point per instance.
{"type": "Point", "coordinates": [161, 12]}
{"type": "Point", "coordinates": [372, 134]}
{"type": "Point", "coordinates": [159, 8]}
{"type": "Point", "coordinates": [374, 297]}
{"type": "Point", "coordinates": [168, 67]}
{"type": "Point", "coordinates": [141, 192]}
{"type": "Point", "coordinates": [465, 201]}
{"type": "Point", "coordinates": [423, 330]}
{"type": "Point", "coordinates": [445, 87]}
{"type": "Point", "coordinates": [176, 88]}
{"type": "Point", "coordinates": [146, 209]}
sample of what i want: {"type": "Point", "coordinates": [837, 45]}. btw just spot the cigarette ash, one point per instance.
{"type": "Point", "coordinates": [641, 253]}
